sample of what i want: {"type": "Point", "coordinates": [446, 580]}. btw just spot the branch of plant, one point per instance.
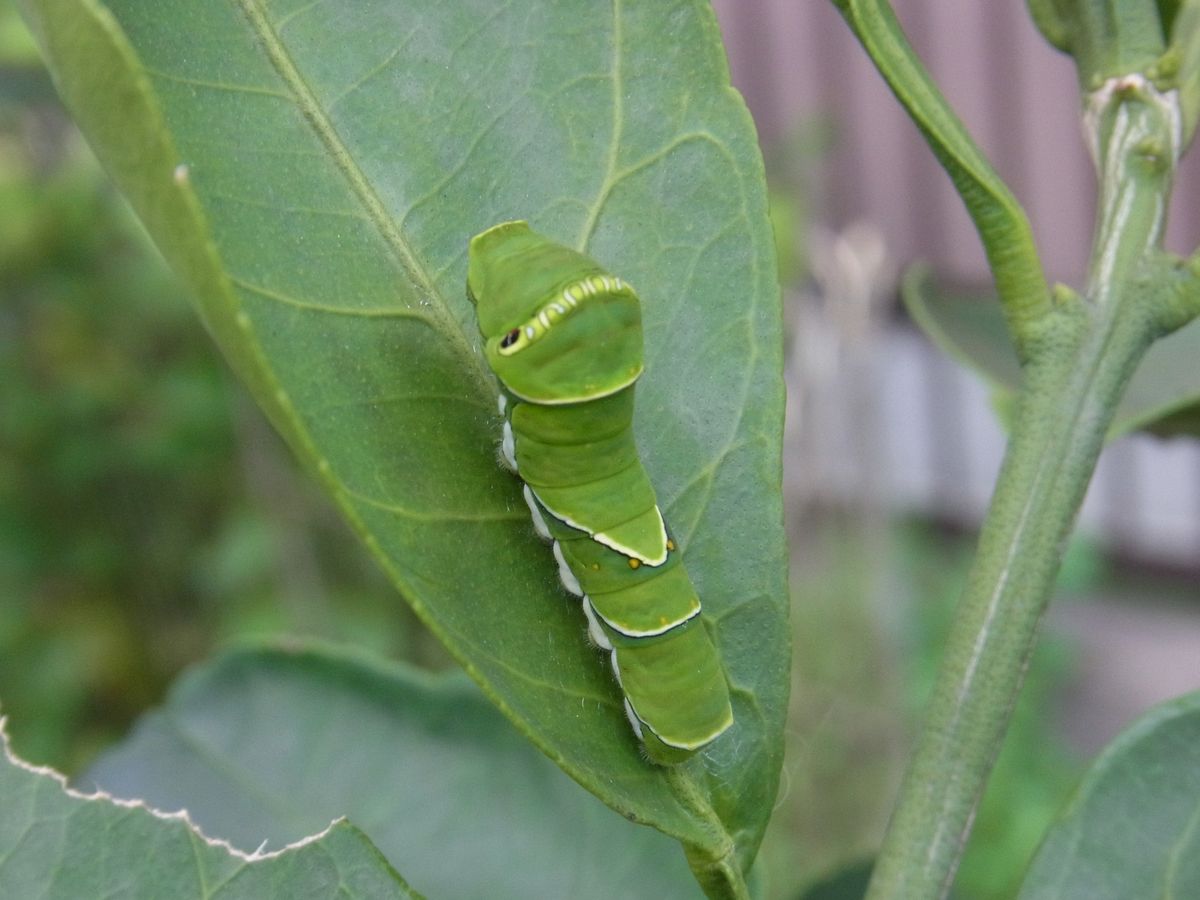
{"type": "Point", "coordinates": [1002, 223]}
{"type": "Point", "coordinates": [1078, 362]}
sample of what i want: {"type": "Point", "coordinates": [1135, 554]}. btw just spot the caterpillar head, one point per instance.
{"type": "Point", "coordinates": [557, 327]}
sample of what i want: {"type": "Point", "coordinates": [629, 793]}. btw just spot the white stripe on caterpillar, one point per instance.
{"type": "Point", "coordinates": [595, 629]}
{"type": "Point", "coordinates": [565, 575]}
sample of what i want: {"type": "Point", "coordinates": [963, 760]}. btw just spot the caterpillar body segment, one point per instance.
{"type": "Point", "coordinates": [564, 339]}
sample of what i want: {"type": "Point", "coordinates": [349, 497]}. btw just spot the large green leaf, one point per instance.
{"type": "Point", "coordinates": [314, 170]}
{"type": "Point", "coordinates": [268, 745]}
{"type": "Point", "coordinates": [61, 845]}
{"type": "Point", "coordinates": [1133, 827]}
{"type": "Point", "coordinates": [1163, 397]}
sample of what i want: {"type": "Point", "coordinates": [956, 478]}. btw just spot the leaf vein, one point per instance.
{"type": "Point", "coordinates": [218, 85]}
{"type": "Point", "coordinates": [613, 179]}
{"type": "Point", "coordinates": [283, 21]}
{"type": "Point", "coordinates": [407, 256]}
{"type": "Point", "coordinates": [618, 124]}
{"type": "Point", "coordinates": [402, 398]}
{"type": "Point", "coordinates": [299, 210]}
{"type": "Point", "coordinates": [364, 312]}
{"type": "Point", "coordinates": [477, 650]}
{"type": "Point", "coordinates": [459, 167]}
{"type": "Point", "coordinates": [423, 516]}
{"type": "Point", "coordinates": [377, 69]}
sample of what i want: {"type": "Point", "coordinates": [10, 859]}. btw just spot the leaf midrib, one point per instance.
{"type": "Point", "coordinates": [614, 143]}
{"type": "Point", "coordinates": [360, 185]}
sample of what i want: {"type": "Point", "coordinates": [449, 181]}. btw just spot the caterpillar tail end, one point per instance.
{"type": "Point", "coordinates": [663, 754]}
{"type": "Point", "coordinates": [660, 752]}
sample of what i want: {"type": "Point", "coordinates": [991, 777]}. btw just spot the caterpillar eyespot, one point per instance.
{"type": "Point", "coordinates": [564, 339]}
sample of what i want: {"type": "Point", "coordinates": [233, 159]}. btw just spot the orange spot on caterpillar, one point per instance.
{"type": "Point", "coordinates": [634, 563]}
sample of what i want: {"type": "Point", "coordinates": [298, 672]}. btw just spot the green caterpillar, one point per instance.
{"type": "Point", "coordinates": [564, 338]}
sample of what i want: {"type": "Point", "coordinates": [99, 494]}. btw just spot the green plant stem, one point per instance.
{"type": "Point", "coordinates": [1077, 369]}
{"type": "Point", "coordinates": [719, 879]}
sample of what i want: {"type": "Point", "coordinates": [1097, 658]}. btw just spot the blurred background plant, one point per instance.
{"type": "Point", "coordinates": [149, 514]}
{"type": "Point", "coordinates": [874, 591]}
{"type": "Point", "coordinates": [147, 510]}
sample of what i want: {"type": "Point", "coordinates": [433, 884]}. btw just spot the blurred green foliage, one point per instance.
{"type": "Point", "coordinates": [147, 511]}
{"type": "Point", "coordinates": [873, 602]}
{"type": "Point", "coordinates": [793, 166]}
{"type": "Point", "coordinates": [17, 49]}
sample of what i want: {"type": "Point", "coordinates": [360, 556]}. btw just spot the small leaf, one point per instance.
{"type": "Point", "coordinates": [56, 843]}
{"type": "Point", "coordinates": [999, 218]}
{"type": "Point", "coordinates": [263, 745]}
{"type": "Point", "coordinates": [966, 325]}
{"type": "Point", "coordinates": [1163, 397]}
{"type": "Point", "coordinates": [314, 172]}
{"type": "Point", "coordinates": [1133, 827]}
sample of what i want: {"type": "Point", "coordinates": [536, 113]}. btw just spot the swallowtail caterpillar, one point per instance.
{"type": "Point", "coordinates": [564, 338]}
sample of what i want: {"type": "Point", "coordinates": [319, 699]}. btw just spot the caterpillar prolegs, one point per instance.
{"type": "Point", "coordinates": [564, 338]}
